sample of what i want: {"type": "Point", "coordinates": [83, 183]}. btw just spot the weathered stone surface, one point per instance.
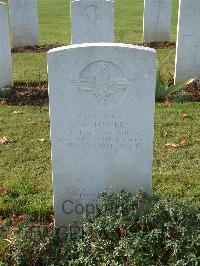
{"type": "Point", "coordinates": [102, 118]}
{"type": "Point", "coordinates": [24, 22]}
{"type": "Point", "coordinates": [157, 20]}
{"type": "Point", "coordinates": [92, 21]}
{"type": "Point", "coordinates": [5, 49]}
{"type": "Point", "coordinates": [188, 41]}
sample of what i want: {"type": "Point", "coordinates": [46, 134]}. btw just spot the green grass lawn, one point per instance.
{"type": "Point", "coordinates": [54, 23]}
{"type": "Point", "coordinates": [25, 164]}
{"type": "Point", "coordinates": [29, 67]}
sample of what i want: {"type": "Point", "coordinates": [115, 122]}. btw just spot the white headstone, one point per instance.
{"type": "Point", "coordinates": [188, 41]}
{"type": "Point", "coordinates": [24, 22]}
{"type": "Point", "coordinates": [157, 20]}
{"type": "Point", "coordinates": [5, 49]}
{"type": "Point", "coordinates": [92, 21]}
{"type": "Point", "coordinates": [102, 119]}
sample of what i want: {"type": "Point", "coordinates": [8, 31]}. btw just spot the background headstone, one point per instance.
{"type": "Point", "coordinates": [24, 22]}
{"type": "Point", "coordinates": [188, 41]}
{"type": "Point", "coordinates": [157, 20]}
{"type": "Point", "coordinates": [5, 49]}
{"type": "Point", "coordinates": [102, 121]}
{"type": "Point", "coordinates": [92, 21]}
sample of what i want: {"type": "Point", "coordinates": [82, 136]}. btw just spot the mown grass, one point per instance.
{"type": "Point", "coordinates": [54, 21]}
{"type": "Point", "coordinates": [176, 170]}
{"type": "Point", "coordinates": [31, 67]}
{"type": "Point", "coordinates": [25, 164]}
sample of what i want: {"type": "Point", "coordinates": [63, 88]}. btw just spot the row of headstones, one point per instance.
{"type": "Point", "coordinates": [93, 21]}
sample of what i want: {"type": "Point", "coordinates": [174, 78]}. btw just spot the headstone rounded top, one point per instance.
{"type": "Point", "coordinates": [86, 45]}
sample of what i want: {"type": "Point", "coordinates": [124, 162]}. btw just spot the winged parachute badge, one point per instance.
{"type": "Point", "coordinates": [102, 85]}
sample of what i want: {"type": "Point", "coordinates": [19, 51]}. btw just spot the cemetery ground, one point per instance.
{"type": "Point", "coordinates": [25, 160]}
{"type": "Point", "coordinates": [25, 169]}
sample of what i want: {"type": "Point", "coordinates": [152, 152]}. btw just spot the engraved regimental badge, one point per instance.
{"type": "Point", "coordinates": [102, 84]}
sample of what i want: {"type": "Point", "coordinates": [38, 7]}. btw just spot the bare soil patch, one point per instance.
{"type": "Point", "coordinates": [35, 49]}
{"type": "Point", "coordinates": [160, 45]}
{"type": "Point", "coordinates": [46, 48]}
{"type": "Point", "coordinates": [23, 94]}
{"type": "Point", "coordinates": [37, 94]}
